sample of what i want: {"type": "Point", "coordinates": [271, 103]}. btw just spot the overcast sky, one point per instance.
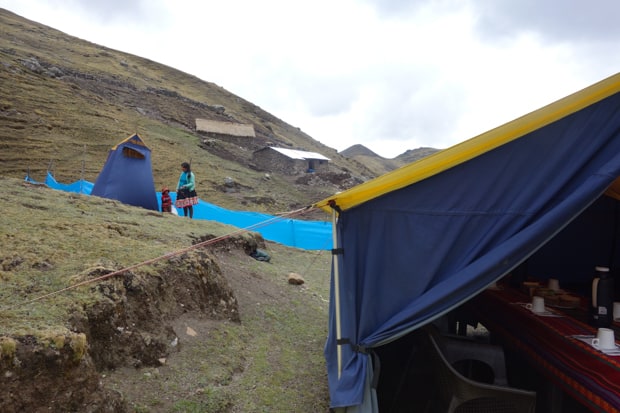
{"type": "Point", "coordinates": [391, 75]}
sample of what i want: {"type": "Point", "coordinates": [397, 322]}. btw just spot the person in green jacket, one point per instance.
{"type": "Point", "coordinates": [186, 191]}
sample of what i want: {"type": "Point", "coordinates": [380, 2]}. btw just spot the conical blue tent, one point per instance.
{"type": "Point", "coordinates": [127, 175]}
{"type": "Point", "coordinates": [416, 243]}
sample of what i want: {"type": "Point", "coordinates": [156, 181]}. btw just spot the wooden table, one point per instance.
{"type": "Point", "coordinates": [546, 342]}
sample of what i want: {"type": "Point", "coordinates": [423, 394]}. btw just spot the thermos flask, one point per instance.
{"type": "Point", "coordinates": [601, 307]}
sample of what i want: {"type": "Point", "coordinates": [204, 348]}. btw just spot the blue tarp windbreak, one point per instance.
{"type": "Point", "coordinates": [308, 235]}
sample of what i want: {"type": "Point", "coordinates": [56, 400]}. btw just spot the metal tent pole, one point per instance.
{"type": "Point", "coordinates": [337, 291]}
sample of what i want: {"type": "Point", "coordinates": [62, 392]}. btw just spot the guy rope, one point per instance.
{"type": "Point", "coordinates": [167, 256]}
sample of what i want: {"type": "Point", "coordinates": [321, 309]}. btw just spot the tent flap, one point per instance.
{"type": "Point", "coordinates": [432, 241]}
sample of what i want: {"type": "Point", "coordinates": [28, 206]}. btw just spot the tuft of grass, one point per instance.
{"type": "Point", "coordinates": [78, 345]}
{"type": "Point", "coordinates": [212, 400]}
{"type": "Point", "coordinates": [8, 347]}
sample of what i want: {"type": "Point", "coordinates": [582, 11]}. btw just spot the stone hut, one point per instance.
{"type": "Point", "coordinates": [234, 132]}
{"type": "Point", "coordinates": [289, 161]}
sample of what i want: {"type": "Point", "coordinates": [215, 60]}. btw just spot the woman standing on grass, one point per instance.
{"type": "Point", "coordinates": [186, 191]}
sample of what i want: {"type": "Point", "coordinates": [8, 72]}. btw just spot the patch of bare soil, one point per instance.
{"type": "Point", "coordinates": [131, 331]}
{"type": "Point", "coordinates": [183, 373]}
{"type": "Point", "coordinates": [189, 370]}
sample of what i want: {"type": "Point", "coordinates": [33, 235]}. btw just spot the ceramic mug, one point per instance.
{"type": "Point", "coordinates": [605, 339]}
{"type": "Point", "coordinates": [537, 305]}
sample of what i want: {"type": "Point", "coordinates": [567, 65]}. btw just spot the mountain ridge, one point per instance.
{"type": "Point", "coordinates": [365, 156]}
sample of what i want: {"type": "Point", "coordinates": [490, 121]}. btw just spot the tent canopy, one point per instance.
{"type": "Point", "coordinates": [421, 240]}
{"type": "Point", "coordinates": [127, 175]}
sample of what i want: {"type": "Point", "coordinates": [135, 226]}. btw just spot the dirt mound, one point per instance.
{"type": "Point", "coordinates": [130, 325]}
{"type": "Point", "coordinates": [52, 377]}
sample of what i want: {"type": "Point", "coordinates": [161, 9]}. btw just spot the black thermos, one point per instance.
{"type": "Point", "coordinates": [602, 304]}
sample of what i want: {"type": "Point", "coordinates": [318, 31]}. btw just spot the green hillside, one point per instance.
{"type": "Point", "coordinates": [110, 308]}
{"type": "Point", "coordinates": [64, 102]}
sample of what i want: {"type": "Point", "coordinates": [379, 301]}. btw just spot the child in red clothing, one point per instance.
{"type": "Point", "coordinates": [166, 201]}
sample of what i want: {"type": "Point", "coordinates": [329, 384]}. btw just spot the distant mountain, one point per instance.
{"type": "Point", "coordinates": [358, 150]}
{"type": "Point", "coordinates": [380, 165]}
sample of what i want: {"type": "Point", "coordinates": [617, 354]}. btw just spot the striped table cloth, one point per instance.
{"type": "Point", "coordinates": [585, 373]}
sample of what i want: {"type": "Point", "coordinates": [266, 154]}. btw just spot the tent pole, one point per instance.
{"type": "Point", "coordinates": [82, 174]}
{"type": "Point", "coordinates": [337, 293]}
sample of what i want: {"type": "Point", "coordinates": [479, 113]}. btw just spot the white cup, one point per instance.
{"type": "Point", "coordinates": [605, 339]}
{"type": "Point", "coordinates": [554, 284]}
{"type": "Point", "coordinates": [537, 305]}
{"type": "Point", "coordinates": [616, 310]}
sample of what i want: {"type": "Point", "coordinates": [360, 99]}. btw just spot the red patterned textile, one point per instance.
{"type": "Point", "coordinates": [185, 199]}
{"type": "Point", "coordinates": [587, 374]}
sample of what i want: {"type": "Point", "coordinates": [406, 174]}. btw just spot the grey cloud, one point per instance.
{"type": "Point", "coordinates": [327, 97]}
{"type": "Point", "coordinates": [393, 7]}
{"type": "Point", "coordinates": [411, 110]}
{"type": "Point", "coordinates": [554, 21]}
{"type": "Point", "coordinates": [403, 8]}
{"type": "Point", "coordinates": [138, 12]}
{"type": "Point", "coordinates": [565, 21]}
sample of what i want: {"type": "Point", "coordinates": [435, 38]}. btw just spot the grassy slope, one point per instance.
{"type": "Point", "coordinates": [64, 102]}
{"type": "Point", "coordinates": [68, 122]}
{"type": "Point", "coordinates": [271, 361]}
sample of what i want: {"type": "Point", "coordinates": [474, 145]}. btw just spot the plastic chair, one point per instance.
{"type": "Point", "coordinates": [458, 394]}
{"type": "Point", "coordinates": [473, 359]}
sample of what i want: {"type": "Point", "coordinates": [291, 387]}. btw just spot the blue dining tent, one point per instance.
{"type": "Point", "coordinates": [416, 243]}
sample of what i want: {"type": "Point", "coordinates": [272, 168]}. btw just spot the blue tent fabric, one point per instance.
{"type": "Point", "coordinates": [308, 235]}
{"type": "Point", "coordinates": [413, 254]}
{"type": "Point", "coordinates": [127, 175]}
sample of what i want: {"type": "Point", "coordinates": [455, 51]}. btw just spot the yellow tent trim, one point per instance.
{"type": "Point", "coordinates": [464, 151]}
{"type": "Point", "coordinates": [135, 139]}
